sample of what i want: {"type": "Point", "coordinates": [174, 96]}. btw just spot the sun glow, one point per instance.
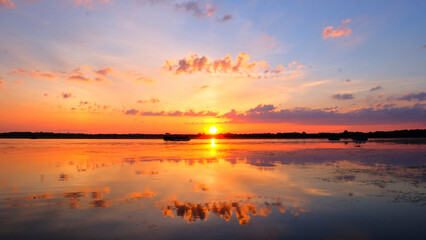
{"type": "Point", "coordinates": [213, 130]}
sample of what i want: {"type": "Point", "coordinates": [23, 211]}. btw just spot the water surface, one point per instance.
{"type": "Point", "coordinates": [212, 189]}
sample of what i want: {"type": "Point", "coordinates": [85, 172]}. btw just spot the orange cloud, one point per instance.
{"type": "Point", "coordinates": [42, 75]}
{"type": "Point", "coordinates": [152, 100]}
{"type": "Point", "coordinates": [346, 21]}
{"type": "Point", "coordinates": [7, 4]}
{"type": "Point", "coordinates": [78, 78]}
{"type": "Point", "coordinates": [189, 113]}
{"type": "Point", "coordinates": [104, 71]}
{"type": "Point", "coordinates": [33, 73]}
{"type": "Point", "coordinates": [330, 31]}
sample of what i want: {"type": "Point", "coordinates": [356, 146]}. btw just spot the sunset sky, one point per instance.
{"type": "Point", "coordinates": [155, 66]}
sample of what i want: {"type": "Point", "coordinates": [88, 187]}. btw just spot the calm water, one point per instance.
{"type": "Point", "coordinates": [205, 189]}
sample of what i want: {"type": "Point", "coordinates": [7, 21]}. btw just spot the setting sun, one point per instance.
{"type": "Point", "coordinates": [213, 130]}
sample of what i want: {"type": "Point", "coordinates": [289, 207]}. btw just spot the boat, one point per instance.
{"type": "Point", "coordinates": [174, 137]}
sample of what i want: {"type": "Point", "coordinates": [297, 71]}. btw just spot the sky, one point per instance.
{"type": "Point", "coordinates": [156, 66]}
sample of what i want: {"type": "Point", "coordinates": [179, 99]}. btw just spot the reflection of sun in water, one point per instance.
{"type": "Point", "coordinates": [213, 143]}
{"type": "Point", "coordinates": [213, 130]}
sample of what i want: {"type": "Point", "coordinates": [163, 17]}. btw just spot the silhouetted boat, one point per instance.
{"type": "Point", "coordinates": [172, 137]}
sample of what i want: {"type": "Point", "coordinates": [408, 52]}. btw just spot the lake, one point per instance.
{"type": "Point", "coordinates": [212, 189]}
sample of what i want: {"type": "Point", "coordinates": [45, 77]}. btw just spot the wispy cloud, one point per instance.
{"type": "Point", "coordinates": [339, 31]}
{"type": "Point", "coordinates": [421, 96]}
{"type": "Point", "coordinates": [376, 88]}
{"type": "Point", "coordinates": [32, 73]}
{"type": "Point", "coordinates": [344, 96]}
{"type": "Point", "coordinates": [225, 18]}
{"type": "Point", "coordinates": [78, 78]}
{"type": "Point", "coordinates": [88, 3]}
{"type": "Point", "coordinates": [7, 4]}
{"type": "Point", "coordinates": [152, 100]}
{"type": "Point", "coordinates": [188, 113]}
{"type": "Point", "coordinates": [198, 9]}
{"type": "Point", "coordinates": [364, 116]}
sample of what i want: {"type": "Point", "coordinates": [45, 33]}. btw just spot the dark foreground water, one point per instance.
{"type": "Point", "coordinates": [212, 189]}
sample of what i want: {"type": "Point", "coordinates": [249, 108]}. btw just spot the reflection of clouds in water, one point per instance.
{"type": "Point", "coordinates": [200, 187]}
{"type": "Point", "coordinates": [63, 177]}
{"type": "Point", "coordinates": [243, 209]}
{"type": "Point", "coordinates": [100, 203]}
{"type": "Point", "coordinates": [146, 172]}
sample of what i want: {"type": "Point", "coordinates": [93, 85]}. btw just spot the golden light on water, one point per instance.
{"type": "Point", "coordinates": [213, 130]}
{"type": "Point", "coordinates": [213, 143]}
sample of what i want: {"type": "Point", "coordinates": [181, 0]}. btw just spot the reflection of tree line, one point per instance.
{"type": "Point", "coordinates": [191, 212]}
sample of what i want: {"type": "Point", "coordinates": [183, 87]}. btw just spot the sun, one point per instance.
{"type": "Point", "coordinates": [213, 130]}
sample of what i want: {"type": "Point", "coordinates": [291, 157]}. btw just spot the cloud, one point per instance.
{"type": "Point", "coordinates": [66, 95]}
{"type": "Point", "coordinates": [242, 65]}
{"type": "Point", "coordinates": [363, 116]}
{"type": "Point", "coordinates": [345, 96]}
{"type": "Point", "coordinates": [197, 9]}
{"type": "Point", "coordinates": [41, 75]}
{"type": "Point", "coordinates": [329, 32]}
{"type": "Point", "coordinates": [88, 3]}
{"type": "Point", "coordinates": [421, 96]}
{"type": "Point", "coordinates": [131, 112]}
{"type": "Point", "coordinates": [78, 78]}
{"type": "Point", "coordinates": [376, 88]}
{"type": "Point", "coordinates": [32, 73]}
{"type": "Point", "coordinates": [188, 113]}
{"type": "Point", "coordinates": [104, 71]}
{"type": "Point", "coordinates": [1, 82]}
{"type": "Point", "coordinates": [225, 18]}
{"type": "Point", "coordinates": [345, 21]}
{"type": "Point", "coordinates": [152, 100]}
{"type": "Point", "coordinates": [6, 4]}
{"type": "Point", "coordinates": [339, 31]}
{"type": "Point", "coordinates": [348, 80]}
{"type": "Point", "coordinates": [204, 87]}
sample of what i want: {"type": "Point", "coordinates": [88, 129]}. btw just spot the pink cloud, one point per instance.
{"type": "Point", "coordinates": [88, 3]}
{"type": "Point", "coordinates": [7, 4]}
{"type": "Point", "coordinates": [329, 32]}
{"type": "Point", "coordinates": [152, 100]}
{"type": "Point", "coordinates": [33, 73]}
{"type": "Point", "coordinates": [339, 31]}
